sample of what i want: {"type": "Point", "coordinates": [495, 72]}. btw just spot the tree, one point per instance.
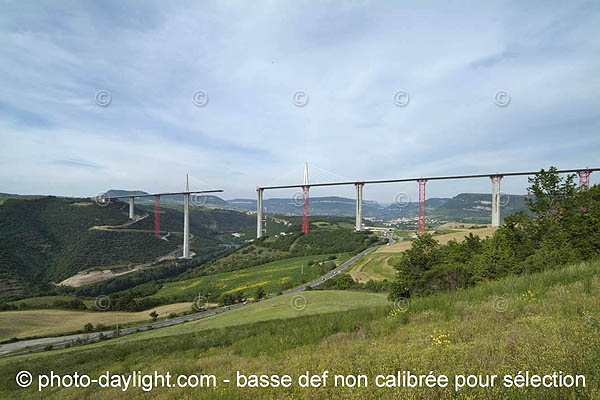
{"type": "Point", "coordinates": [154, 315]}
{"type": "Point", "coordinates": [344, 281]}
{"type": "Point", "coordinates": [260, 293]}
{"type": "Point", "coordinates": [239, 296]}
{"type": "Point", "coordinates": [550, 194]}
{"type": "Point", "coordinates": [88, 327]}
{"type": "Point", "coordinates": [423, 255]}
{"type": "Point", "coordinates": [227, 299]}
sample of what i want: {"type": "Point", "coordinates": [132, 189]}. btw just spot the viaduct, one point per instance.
{"type": "Point", "coordinates": [584, 181]}
{"type": "Point", "coordinates": [186, 211]}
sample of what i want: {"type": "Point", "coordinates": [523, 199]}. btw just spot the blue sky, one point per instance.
{"type": "Point", "coordinates": [350, 58]}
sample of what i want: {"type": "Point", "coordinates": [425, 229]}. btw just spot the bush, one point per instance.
{"type": "Point", "coordinates": [260, 293]}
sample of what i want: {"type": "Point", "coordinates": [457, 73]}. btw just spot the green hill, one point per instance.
{"type": "Point", "coordinates": [541, 323]}
{"type": "Point", "coordinates": [49, 239]}
{"type": "Point", "coordinates": [477, 207]}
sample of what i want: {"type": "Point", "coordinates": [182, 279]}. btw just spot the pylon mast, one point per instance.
{"type": "Point", "coordinates": [421, 227]}
{"type": "Point", "coordinates": [157, 215]}
{"type": "Point", "coordinates": [305, 189]}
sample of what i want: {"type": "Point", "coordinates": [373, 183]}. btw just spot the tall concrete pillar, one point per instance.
{"type": "Point", "coordinates": [359, 195]}
{"type": "Point", "coordinates": [496, 199]}
{"type": "Point", "coordinates": [259, 214]}
{"type": "Point", "coordinates": [131, 208]}
{"type": "Point", "coordinates": [186, 220]}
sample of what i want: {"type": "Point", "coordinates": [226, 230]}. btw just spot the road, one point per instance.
{"type": "Point", "coordinates": [333, 272]}
{"type": "Point", "coordinates": [60, 342]}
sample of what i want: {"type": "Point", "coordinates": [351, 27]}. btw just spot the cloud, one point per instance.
{"type": "Point", "coordinates": [77, 164]}
{"type": "Point", "coordinates": [349, 58]}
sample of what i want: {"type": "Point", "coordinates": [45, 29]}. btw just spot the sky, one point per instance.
{"type": "Point", "coordinates": [134, 95]}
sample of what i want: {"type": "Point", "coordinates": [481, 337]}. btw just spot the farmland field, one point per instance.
{"type": "Point", "coordinates": [373, 266]}
{"type": "Point", "coordinates": [53, 322]}
{"type": "Point", "coordinates": [459, 236]}
{"type": "Point", "coordinates": [270, 276]}
{"type": "Point", "coordinates": [278, 308]}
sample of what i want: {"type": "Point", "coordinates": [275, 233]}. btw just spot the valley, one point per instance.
{"type": "Point", "coordinates": [440, 299]}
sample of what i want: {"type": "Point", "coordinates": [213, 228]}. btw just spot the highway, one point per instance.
{"type": "Point", "coordinates": [60, 342]}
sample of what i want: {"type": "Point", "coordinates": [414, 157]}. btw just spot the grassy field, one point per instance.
{"type": "Point", "coordinates": [280, 307]}
{"type": "Point", "coordinates": [335, 225]}
{"type": "Point", "coordinates": [52, 322]}
{"type": "Point", "coordinates": [541, 323]}
{"type": "Point", "coordinates": [459, 236]}
{"type": "Point", "coordinates": [376, 265]}
{"type": "Point", "coordinates": [270, 276]}
{"type": "Point", "coordinates": [373, 266]}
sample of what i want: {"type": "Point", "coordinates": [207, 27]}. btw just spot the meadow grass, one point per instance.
{"type": "Point", "coordinates": [280, 307]}
{"type": "Point", "coordinates": [459, 236]}
{"type": "Point", "coordinates": [38, 323]}
{"type": "Point", "coordinates": [270, 276]}
{"type": "Point", "coordinates": [548, 322]}
{"type": "Point", "coordinates": [373, 266]}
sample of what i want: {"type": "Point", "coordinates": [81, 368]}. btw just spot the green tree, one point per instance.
{"type": "Point", "coordinates": [227, 299]}
{"type": "Point", "coordinates": [423, 254]}
{"type": "Point", "coordinates": [88, 327]}
{"type": "Point", "coordinates": [260, 293]}
{"type": "Point", "coordinates": [550, 194]}
{"type": "Point", "coordinates": [154, 315]}
{"type": "Point", "coordinates": [344, 281]}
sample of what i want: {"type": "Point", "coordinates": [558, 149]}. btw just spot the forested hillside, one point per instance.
{"type": "Point", "coordinates": [49, 239]}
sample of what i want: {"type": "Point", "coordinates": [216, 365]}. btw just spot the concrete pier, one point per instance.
{"type": "Point", "coordinates": [131, 208]}
{"type": "Point", "coordinates": [259, 214]}
{"type": "Point", "coordinates": [496, 199]}
{"type": "Point", "coordinates": [186, 220]}
{"type": "Point", "coordinates": [359, 197]}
